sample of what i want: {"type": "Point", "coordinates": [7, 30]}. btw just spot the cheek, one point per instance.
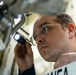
{"type": "Point", "coordinates": [57, 39]}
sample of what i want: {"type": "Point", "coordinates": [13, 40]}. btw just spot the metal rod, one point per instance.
{"type": "Point", "coordinates": [19, 24]}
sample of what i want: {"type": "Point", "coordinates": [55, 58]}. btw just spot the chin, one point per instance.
{"type": "Point", "coordinates": [49, 59]}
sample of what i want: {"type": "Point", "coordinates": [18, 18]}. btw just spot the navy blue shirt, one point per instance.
{"type": "Point", "coordinates": [30, 71]}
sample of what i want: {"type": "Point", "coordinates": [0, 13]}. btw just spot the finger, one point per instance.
{"type": "Point", "coordinates": [18, 50]}
{"type": "Point", "coordinates": [19, 44]}
{"type": "Point", "coordinates": [29, 49]}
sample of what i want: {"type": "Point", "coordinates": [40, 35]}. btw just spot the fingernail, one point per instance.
{"type": "Point", "coordinates": [18, 44]}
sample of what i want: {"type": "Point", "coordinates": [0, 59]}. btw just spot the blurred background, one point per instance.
{"type": "Point", "coordinates": [19, 17]}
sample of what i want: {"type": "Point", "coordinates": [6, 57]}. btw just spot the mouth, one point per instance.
{"type": "Point", "coordinates": [43, 47]}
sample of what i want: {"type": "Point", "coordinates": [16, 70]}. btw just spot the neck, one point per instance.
{"type": "Point", "coordinates": [66, 57]}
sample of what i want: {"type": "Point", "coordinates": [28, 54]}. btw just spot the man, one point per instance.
{"type": "Point", "coordinates": [56, 42]}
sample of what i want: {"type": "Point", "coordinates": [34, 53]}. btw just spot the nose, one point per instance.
{"type": "Point", "coordinates": [39, 40]}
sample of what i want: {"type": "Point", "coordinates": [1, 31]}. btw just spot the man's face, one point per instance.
{"type": "Point", "coordinates": [51, 40]}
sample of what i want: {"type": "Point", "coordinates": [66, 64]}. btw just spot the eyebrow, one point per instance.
{"type": "Point", "coordinates": [41, 25]}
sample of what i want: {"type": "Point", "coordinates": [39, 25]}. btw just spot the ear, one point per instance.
{"type": "Point", "coordinates": [71, 29]}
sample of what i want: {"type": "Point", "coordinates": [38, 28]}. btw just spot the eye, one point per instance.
{"type": "Point", "coordinates": [44, 29]}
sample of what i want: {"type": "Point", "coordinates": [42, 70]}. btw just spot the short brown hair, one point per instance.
{"type": "Point", "coordinates": [64, 19]}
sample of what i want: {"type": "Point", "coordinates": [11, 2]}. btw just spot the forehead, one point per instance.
{"type": "Point", "coordinates": [44, 19]}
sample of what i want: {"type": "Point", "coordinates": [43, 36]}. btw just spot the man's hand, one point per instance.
{"type": "Point", "coordinates": [64, 59]}
{"type": "Point", "coordinates": [23, 56]}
